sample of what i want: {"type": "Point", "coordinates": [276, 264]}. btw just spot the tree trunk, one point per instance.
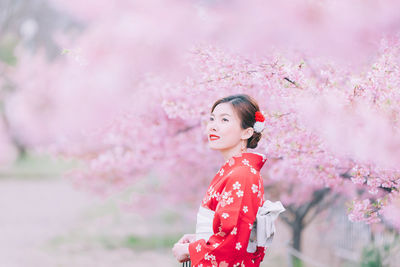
{"type": "Point", "coordinates": [21, 149]}
{"type": "Point", "coordinates": [297, 230]}
{"type": "Point", "coordinates": [296, 235]}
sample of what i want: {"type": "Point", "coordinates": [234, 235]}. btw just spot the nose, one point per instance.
{"type": "Point", "coordinates": [211, 126]}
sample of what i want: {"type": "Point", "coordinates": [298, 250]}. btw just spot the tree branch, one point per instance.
{"type": "Point", "coordinates": [321, 207]}
{"type": "Point", "coordinates": [317, 197]}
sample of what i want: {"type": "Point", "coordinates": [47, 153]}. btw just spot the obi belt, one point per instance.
{"type": "Point", "coordinates": [263, 229]}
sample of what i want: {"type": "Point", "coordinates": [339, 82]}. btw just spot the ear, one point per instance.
{"type": "Point", "coordinates": [248, 133]}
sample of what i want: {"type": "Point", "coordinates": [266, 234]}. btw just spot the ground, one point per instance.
{"type": "Point", "coordinates": [48, 223]}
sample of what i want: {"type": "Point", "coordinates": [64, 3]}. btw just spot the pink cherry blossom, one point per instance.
{"type": "Point", "coordinates": [129, 98]}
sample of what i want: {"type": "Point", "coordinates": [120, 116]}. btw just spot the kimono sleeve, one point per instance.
{"type": "Point", "coordinates": [232, 223]}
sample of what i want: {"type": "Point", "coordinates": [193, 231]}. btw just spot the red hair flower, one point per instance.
{"type": "Point", "coordinates": [259, 116]}
{"type": "Point", "coordinates": [259, 125]}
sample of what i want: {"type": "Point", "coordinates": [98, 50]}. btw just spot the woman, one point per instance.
{"type": "Point", "coordinates": [229, 207]}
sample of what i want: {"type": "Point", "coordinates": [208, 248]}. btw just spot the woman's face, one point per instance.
{"type": "Point", "coordinates": [225, 126]}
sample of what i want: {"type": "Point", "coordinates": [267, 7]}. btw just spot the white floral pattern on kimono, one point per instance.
{"type": "Point", "coordinates": [235, 194]}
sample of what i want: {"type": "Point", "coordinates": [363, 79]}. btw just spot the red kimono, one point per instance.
{"type": "Point", "coordinates": [235, 194]}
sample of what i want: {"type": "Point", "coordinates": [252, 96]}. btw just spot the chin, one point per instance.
{"type": "Point", "coordinates": [219, 147]}
{"type": "Point", "coordinates": [213, 146]}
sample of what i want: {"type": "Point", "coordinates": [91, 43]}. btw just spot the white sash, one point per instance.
{"type": "Point", "coordinates": [204, 223]}
{"type": "Point", "coordinates": [263, 229]}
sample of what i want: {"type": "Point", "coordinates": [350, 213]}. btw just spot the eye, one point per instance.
{"type": "Point", "coordinates": [225, 119]}
{"type": "Point", "coordinates": [211, 119]}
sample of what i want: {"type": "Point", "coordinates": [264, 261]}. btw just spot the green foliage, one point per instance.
{"type": "Point", "coordinates": [112, 242]}
{"type": "Point", "coordinates": [7, 46]}
{"type": "Point", "coordinates": [33, 166]}
{"type": "Point", "coordinates": [150, 242]}
{"type": "Point", "coordinates": [384, 254]}
{"type": "Point", "coordinates": [371, 257]}
{"type": "Point", "coordinates": [297, 262]}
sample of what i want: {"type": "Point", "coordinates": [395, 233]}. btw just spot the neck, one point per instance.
{"type": "Point", "coordinates": [229, 153]}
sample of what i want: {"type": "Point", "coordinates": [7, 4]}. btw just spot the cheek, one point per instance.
{"type": "Point", "coordinates": [230, 134]}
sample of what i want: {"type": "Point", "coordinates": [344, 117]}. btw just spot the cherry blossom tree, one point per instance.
{"type": "Point", "coordinates": [9, 146]}
{"type": "Point", "coordinates": [130, 97]}
{"type": "Point", "coordinates": [23, 24]}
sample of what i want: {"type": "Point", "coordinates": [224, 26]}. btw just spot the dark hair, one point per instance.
{"type": "Point", "coordinates": [245, 107]}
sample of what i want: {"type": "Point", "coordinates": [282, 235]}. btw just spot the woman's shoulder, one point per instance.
{"type": "Point", "coordinates": [242, 173]}
{"type": "Point", "coordinates": [240, 169]}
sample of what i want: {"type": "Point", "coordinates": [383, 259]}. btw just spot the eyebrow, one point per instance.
{"type": "Point", "coordinates": [212, 114]}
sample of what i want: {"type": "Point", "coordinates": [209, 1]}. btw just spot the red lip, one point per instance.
{"type": "Point", "coordinates": [213, 135]}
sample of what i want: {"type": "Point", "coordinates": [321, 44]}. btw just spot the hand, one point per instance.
{"type": "Point", "coordinates": [187, 238]}
{"type": "Point", "coordinates": [181, 252]}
